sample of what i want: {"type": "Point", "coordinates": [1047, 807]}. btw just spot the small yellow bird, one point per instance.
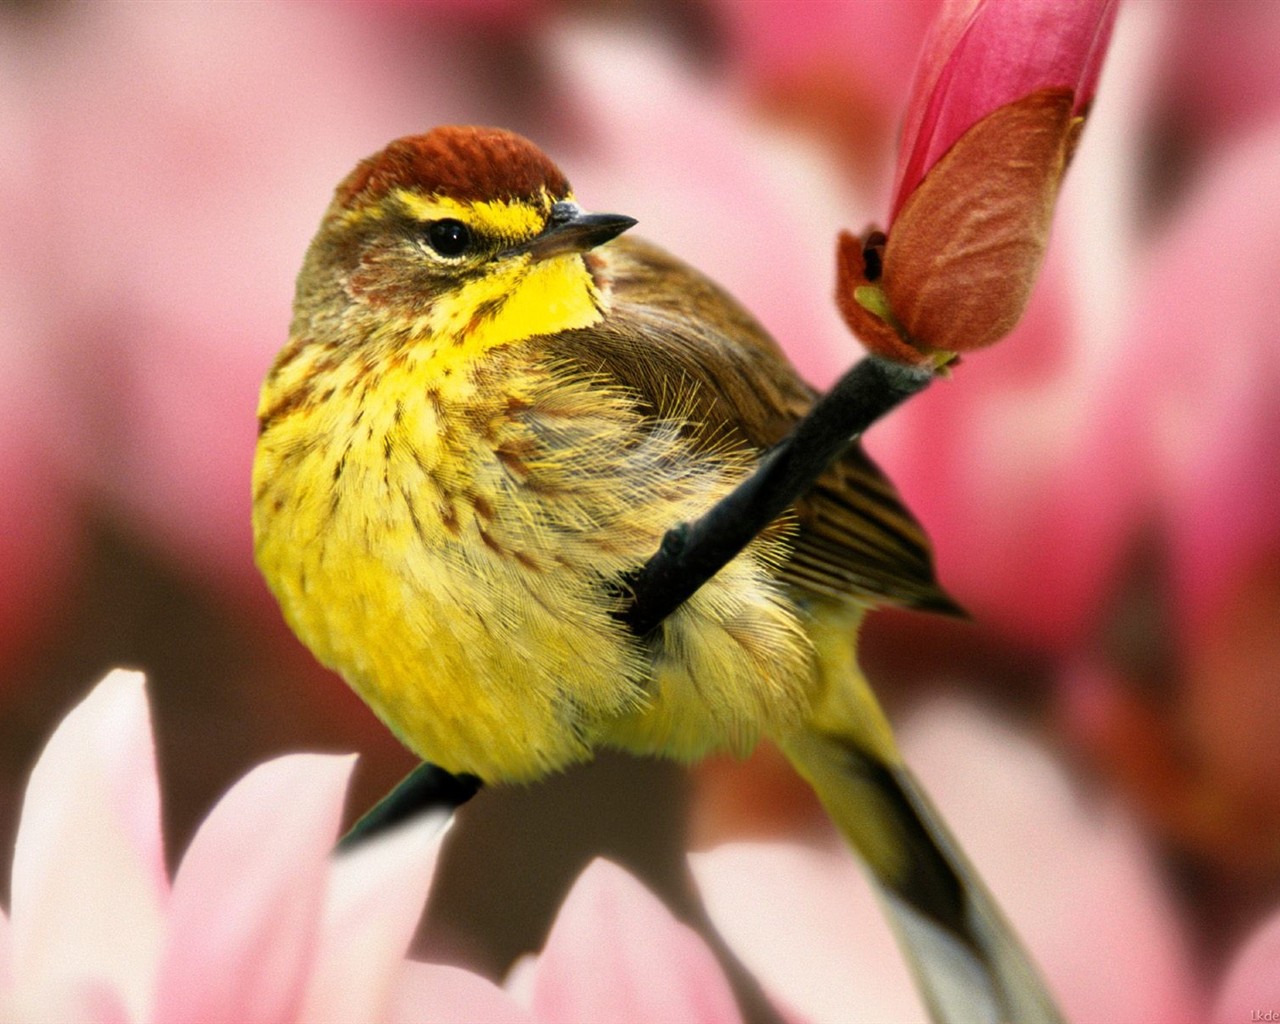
{"type": "Point", "coordinates": [490, 410]}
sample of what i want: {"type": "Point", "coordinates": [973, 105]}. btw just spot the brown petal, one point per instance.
{"type": "Point", "coordinates": [964, 251]}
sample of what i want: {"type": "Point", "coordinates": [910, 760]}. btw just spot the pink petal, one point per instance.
{"type": "Point", "coordinates": [88, 868]}
{"type": "Point", "coordinates": [93, 1004]}
{"type": "Point", "coordinates": [663, 162]}
{"type": "Point", "coordinates": [805, 921]}
{"type": "Point", "coordinates": [874, 44]}
{"type": "Point", "coordinates": [247, 900]}
{"type": "Point", "coordinates": [615, 953]}
{"type": "Point", "coordinates": [439, 994]}
{"type": "Point", "coordinates": [375, 898]}
{"type": "Point", "coordinates": [1207, 311]}
{"type": "Point", "coordinates": [1253, 981]}
{"type": "Point", "coordinates": [1074, 877]}
{"type": "Point", "coordinates": [983, 54]}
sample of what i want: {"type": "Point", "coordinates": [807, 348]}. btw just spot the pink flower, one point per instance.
{"type": "Point", "coordinates": [1071, 872]}
{"type": "Point", "coordinates": [259, 923]}
{"type": "Point", "coordinates": [614, 955]}
{"type": "Point", "coordinates": [262, 924]}
{"type": "Point", "coordinates": [994, 115]}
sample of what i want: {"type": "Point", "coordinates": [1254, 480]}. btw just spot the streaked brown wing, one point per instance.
{"type": "Point", "coordinates": [690, 351]}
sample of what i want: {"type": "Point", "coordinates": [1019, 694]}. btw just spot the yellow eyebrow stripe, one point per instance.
{"type": "Point", "coordinates": [492, 217]}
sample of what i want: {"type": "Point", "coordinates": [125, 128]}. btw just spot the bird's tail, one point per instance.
{"type": "Point", "coordinates": [968, 963]}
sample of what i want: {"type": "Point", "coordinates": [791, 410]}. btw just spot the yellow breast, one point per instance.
{"type": "Point", "coordinates": [444, 525]}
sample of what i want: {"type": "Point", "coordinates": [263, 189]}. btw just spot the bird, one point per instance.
{"type": "Point", "coordinates": [491, 407]}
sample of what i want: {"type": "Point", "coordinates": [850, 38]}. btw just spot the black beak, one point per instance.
{"type": "Point", "coordinates": [569, 229]}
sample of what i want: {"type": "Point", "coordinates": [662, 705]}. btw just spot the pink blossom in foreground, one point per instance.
{"type": "Point", "coordinates": [258, 924]}
{"type": "Point", "coordinates": [994, 116]}
{"type": "Point", "coordinates": [1074, 878]}
{"type": "Point", "coordinates": [262, 924]}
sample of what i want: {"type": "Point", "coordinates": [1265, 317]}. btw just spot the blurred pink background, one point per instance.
{"type": "Point", "coordinates": [1101, 487]}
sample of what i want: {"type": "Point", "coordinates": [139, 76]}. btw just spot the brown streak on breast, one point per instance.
{"type": "Point", "coordinates": [413, 514]}
{"type": "Point", "coordinates": [288, 354]}
{"type": "Point", "coordinates": [484, 311]}
{"type": "Point", "coordinates": [513, 452]}
{"type": "Point", "coordinates": [490, 543]}
{"type": "Point", "coordinates": [526, 561]}
{"type": "Point", "coordinates": [298, 398]}
{"type": "Point", "coordinates": [513, 464]}
{"type": "Point", "coordinates": [449, 517]}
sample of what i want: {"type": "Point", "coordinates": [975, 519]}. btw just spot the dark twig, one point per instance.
{"type": "Point", "coordinates": [691, 553]}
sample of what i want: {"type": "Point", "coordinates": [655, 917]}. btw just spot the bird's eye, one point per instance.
{"type": "Point", "coordinates": [449, 237]}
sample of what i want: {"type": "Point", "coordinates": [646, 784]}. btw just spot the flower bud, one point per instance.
{"type": "Point", "coordinates": [999, 99]}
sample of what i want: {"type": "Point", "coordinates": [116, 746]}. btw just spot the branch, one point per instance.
{"type": "Point", "coordinates": [691, 553]}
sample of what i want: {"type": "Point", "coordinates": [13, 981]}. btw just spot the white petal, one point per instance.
{"type": "Point", "coordinates": [6, 972]}
{"type": "Point", "coordinates": [88, 868]}
{"type": "Point", "coordinates": [805, 922]}
{"type": "Point", "coordinates": [376, 895]}
{"type": "Point", "coordinates": [245, 911]}
{"type": "Point", "coordinates": [440, 994]}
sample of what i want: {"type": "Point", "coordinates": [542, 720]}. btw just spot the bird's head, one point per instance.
{"type": "Point", "coordinates": [467, 233]}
